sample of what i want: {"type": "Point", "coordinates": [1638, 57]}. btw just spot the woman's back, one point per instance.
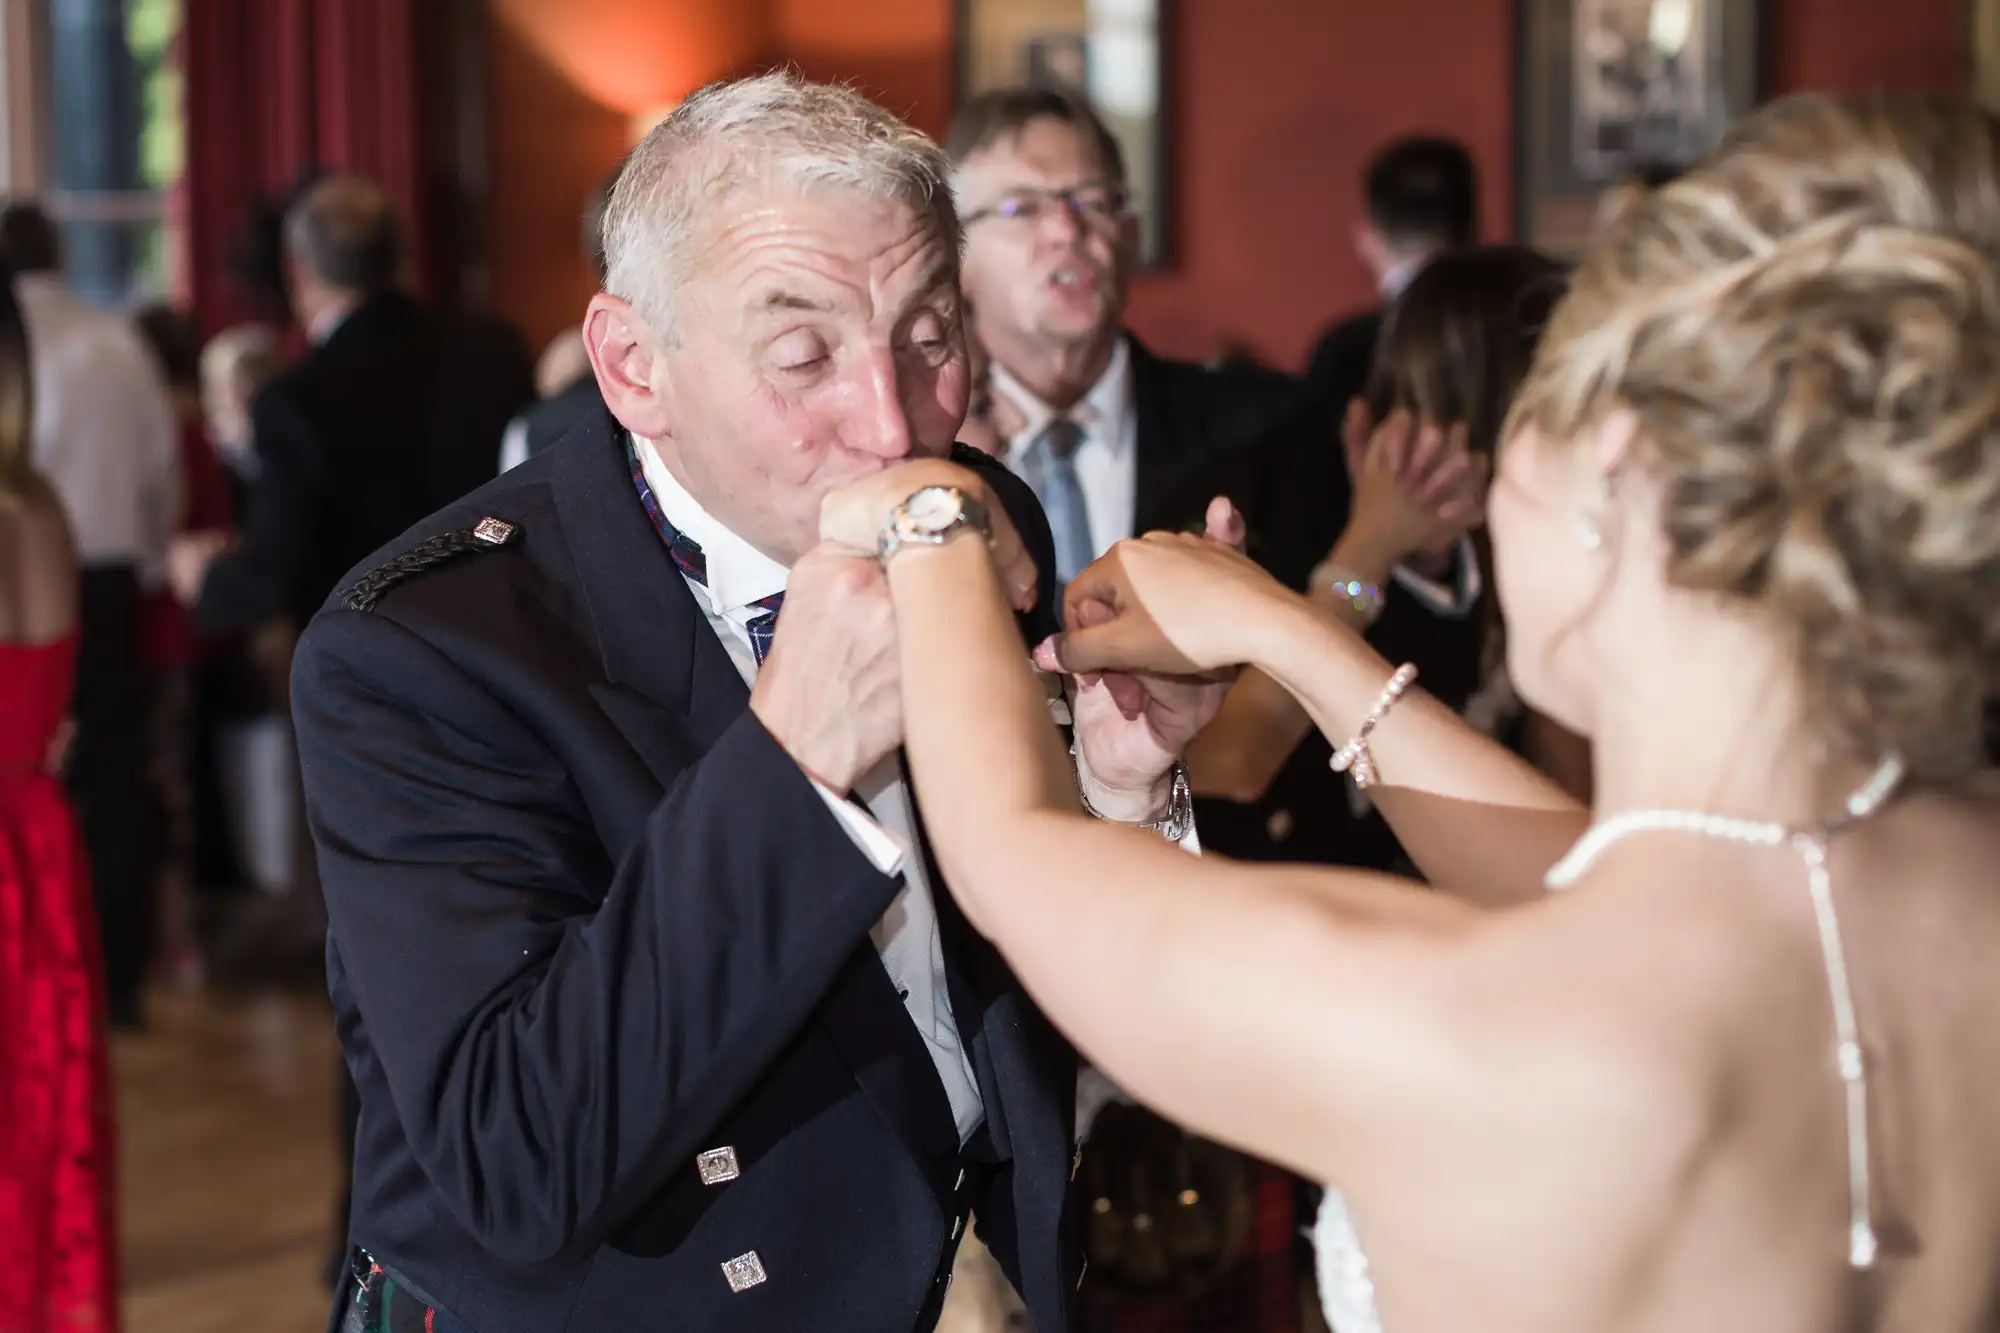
{"type": "Point", "coordinates": [1923, 924]}
{"type": "Point", "coordinates": [1697, 1169]}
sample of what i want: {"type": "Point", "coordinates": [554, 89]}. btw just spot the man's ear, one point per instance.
{"type": "Point", "coordinates": [1371, 249]}
{"type": "Point", "coordinates": [624, 357]}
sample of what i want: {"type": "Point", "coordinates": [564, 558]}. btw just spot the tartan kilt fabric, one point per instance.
{"type": "Point", "coordinates": [377, 1303]}
{"type": "Point", "coordinates": [1260, 1295]}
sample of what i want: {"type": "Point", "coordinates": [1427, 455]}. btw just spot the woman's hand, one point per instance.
{"type": "Point", "coordinates": [1417, 486]}
{"type": "Point", "coordinates": [1179, 604]}
{"type": "Point", "coordinates": [855, 515]}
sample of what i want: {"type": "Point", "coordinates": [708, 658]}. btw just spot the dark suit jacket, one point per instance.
{"type": "Point", "coordinates": [558, 414]}
{"type": "Point", "coordinates": [589, 920]}
{"type": "Point", "coordinates": [1337, 370]}
{"type": "Point", "coordinates": [354, 441]}
{"type": "Point", "coordinates": [1191, 420]}
{"type": "Point", "coordinates": [486, 376]}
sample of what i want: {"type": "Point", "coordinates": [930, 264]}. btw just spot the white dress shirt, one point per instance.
{"type": "Point", "coordinates": [907, 935]}
{"type": "Point", "coordinates": [1107, 455]}
{"type": "Point", "coordinates": [105, 434]}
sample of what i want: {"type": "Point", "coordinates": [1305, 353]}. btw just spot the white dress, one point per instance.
{"type": "Point", "coordinates": [1346, 1291]}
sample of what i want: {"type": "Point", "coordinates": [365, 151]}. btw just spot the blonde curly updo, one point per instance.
{"type": "Point", "coordinates": [1807, 328]}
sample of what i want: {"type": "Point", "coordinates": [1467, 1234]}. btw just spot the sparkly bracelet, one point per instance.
{"type": "Point", "coordinates": [1365, 598]}
{"type": "Point", "coordinates": [1355, 755]}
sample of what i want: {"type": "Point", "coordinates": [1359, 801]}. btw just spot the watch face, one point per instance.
{"type": "Point", "coordinates": [934, 509]}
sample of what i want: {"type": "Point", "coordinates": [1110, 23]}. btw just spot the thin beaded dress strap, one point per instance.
{"type": "Point", "coordinates": [1811, 845]}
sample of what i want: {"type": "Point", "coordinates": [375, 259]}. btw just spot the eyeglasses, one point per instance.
{"type": "Point", "coordinates": [1100, 206]}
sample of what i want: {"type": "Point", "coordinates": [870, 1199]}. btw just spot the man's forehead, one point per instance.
{"type": "Point", "coordinates": [1043, 149]}
{"type": "Point", "coordinates": [818, 252]}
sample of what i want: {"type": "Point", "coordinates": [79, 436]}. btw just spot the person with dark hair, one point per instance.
{"type": "Point", "coordinates": [356, 441]}
{"type": "Point", "coordinates": [1420, 198]}
{"type": "Point", "coordinates": [59, 1263]}
{"type": "Point", "coordinates": [364, 434]}
{"type": "Point", "coordinates": [28, 238]}
{"type": "Point", "coordinates": [1453, 351]}
{"type": "Point", "coordinates": [106, 439]}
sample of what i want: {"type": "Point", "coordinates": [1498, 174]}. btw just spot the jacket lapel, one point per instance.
{"type": "Point", "coordinates": [1169, 440]}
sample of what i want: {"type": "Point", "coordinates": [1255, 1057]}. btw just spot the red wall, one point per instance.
{"type": "Point", "coordinates": [1276, 105]}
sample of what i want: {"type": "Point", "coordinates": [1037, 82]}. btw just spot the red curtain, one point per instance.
{"type": "Point", "coordinates": [277, 86]}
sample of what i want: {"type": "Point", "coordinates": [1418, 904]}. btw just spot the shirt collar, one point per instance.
{"type": "Point", "coordinates": [328, 322]}
{"type": "Point", "coordinates": [1401, 274]}
{"type": "Point", "coordinates": [1102, 407]}
{"type": "Point", "coordinates": [738, 573]}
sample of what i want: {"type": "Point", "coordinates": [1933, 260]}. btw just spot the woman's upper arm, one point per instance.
{"type": "Point", "coordinates": [1262, 1006]}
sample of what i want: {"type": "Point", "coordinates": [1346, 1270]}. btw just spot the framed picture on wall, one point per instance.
{"type": "Point", "coordinates": [1982, 48]}
{"type": "Point", "coordinates": [1613, 90]}
{"type": "Point", "coordinates": [1112, 51]}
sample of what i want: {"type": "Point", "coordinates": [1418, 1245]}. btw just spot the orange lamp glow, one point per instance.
{"type": "Point", "coordinates": [636, 56]}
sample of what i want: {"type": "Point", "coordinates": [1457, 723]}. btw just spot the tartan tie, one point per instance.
{"type": "Point", "coordinates": [688, 556]}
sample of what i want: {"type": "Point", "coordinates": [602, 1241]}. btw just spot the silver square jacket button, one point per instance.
{"type": "Point", "coordinates": [718, 1166]}
{"type": "Point", "coordinates": [744, 1272]}
{"type": "Point", "coordinates": [494, 531]}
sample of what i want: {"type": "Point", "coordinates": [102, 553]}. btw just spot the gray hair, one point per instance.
{"type": "Point", "coordinates": [773, 130]}
{"type": "Point", "coordinates": [346, 233]}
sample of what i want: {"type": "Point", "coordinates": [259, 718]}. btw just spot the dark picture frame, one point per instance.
{"type": "Point", "coordinates": [1608, 88]}
{"type": "Point", "coordinates": [1124, 65]}
{"type": "Point", "coordinates": [1982, 51]}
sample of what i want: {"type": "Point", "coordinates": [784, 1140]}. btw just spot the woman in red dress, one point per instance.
{"type": "Point", "coordinates": [58, 1258]}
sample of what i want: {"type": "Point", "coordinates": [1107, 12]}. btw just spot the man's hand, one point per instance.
{"type": "Point", "coordinates": [853, 518]}
{"type": "Point", "coordinates": [188, 559]}
{"type": "Point", "coordinates": [831, 689]}
{"type": "Point", "coordinates": [1132, 726]}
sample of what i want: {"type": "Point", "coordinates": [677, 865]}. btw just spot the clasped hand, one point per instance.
{"type": "Point", "coordinates": [830, 690]}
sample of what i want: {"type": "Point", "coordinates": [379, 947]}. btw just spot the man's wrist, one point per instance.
{"type": "Point", "coordinates": [1125, 805]}
{"type": "Point", "coordinates": [835, 777]}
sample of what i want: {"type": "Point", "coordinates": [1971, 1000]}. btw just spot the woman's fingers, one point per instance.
{"type": "Point", "coordinates": [1225, 523]}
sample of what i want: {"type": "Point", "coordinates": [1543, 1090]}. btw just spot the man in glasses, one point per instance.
{"type": "Point", "coordinates": [1112, 438]}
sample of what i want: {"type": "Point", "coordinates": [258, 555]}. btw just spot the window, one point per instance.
{"type": "Point", "coordinates": [114, 142]}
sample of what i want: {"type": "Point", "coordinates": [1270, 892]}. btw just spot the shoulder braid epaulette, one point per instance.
{"type": "Point", "coordinates": [489, 534]}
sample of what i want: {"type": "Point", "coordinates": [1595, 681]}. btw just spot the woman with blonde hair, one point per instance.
{"type": "Point", "coordinates": [58, 1263]}
{"type": "Point", "coordinates": [1719, 1053]}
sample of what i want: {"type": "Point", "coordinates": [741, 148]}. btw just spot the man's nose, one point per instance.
{"type": "Point", "coordinates": [1062, 219]}
{"type": "Point", "coordinates": [882, 424]}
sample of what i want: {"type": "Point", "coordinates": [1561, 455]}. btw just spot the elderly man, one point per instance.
{"type": "Point", "coordinates": [658, 1013]}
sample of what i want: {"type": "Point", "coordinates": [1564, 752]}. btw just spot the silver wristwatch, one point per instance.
{"type": "Point", "coordinates": [932, 517]}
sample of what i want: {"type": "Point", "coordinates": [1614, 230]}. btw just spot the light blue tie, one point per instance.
{"type": "Point", "coordinates": [1049, 467]}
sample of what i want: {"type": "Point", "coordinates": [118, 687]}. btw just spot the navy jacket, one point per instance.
{"type": "Point", "coordinates": [588, 921]}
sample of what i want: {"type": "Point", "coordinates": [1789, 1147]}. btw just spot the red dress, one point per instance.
{"type": "Point", "coordinates": [58, 1244]}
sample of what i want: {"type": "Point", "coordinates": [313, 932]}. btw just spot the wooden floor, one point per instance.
{"type": "Point", "coordinates": [227, 1163]}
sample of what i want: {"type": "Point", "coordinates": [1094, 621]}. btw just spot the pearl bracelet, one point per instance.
{"type": "Point", "coordinates": [1355, 756]}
